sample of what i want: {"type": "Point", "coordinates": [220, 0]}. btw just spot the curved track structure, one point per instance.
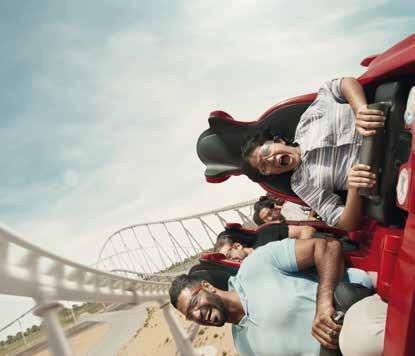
{"type": "Point", "coordinates": [156, 246]}
{"type": "Point", "coordinates": [135, 265]}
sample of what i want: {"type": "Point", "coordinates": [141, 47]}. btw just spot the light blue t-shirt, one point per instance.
{"type": "Point", "coordinates": [279, 302]}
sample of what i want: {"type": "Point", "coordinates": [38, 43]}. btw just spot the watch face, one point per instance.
{"type": "Point", "coordinates": [402, 186]}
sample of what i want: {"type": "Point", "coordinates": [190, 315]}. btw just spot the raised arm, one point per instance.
{"type": "Point", "coordinates": [359, 177]}
{"type": "Point", "coordinates": [327, 257]}
{"type": "Point", "coordinates": [367, 120]}
{"type": "Point", "coordinates": [301, 232]}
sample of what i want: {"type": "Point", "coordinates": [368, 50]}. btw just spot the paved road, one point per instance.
{"type": "Point", "coordinates": [123, 326]}
{"type": "Point", "coordinates": [75, 330]}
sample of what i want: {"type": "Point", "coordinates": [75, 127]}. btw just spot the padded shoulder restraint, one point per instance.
{"type": "Point", "coordinates": [346, 294]}
{"type": "Point", "coordinates": [237, 233]}
{"type": "Point", "coordinates": [386, 151]}
{"type": "Point", "coordinates": [217, 274]}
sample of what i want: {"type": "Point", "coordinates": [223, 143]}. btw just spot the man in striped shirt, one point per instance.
{"type": "Point", "coordinates": [324, 158]}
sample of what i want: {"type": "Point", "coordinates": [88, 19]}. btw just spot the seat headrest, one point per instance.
{"type": "Point", "coordinates": [218, 258]}
{"type": "Point", "coordinates": [214, 270]}
{"type": "Point", "coordinates": [219, 160]}
{"type": "Point", "coordinates": [219, 147]}
{"type": "Point", "coordinates": [239, 234]}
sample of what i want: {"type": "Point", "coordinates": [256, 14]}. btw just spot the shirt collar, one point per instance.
{"type": "Point", "coordinates": [236, 286]}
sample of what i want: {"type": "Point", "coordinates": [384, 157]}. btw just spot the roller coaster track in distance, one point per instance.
{"type": "Point", "coordinates": [130, 266]}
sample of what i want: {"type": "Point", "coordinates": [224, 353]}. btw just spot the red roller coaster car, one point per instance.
{"type": "Point", "coordinates": [387, 238]}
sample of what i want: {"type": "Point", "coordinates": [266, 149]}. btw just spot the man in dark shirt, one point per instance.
{"type": "Point", "coordinates": [237, 249]}
{"type": "Point", "coordinates": [267, 210]}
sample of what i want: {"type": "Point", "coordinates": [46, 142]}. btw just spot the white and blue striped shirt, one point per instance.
{"type": "Point", "coordinates": [330, 146]}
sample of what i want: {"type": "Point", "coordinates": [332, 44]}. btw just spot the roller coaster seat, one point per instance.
{"type": "Point", "coordinates": [377, 254]}
{"type": "Point", "coordinates": [386, 152]}
{"type": "Point", "coordinates": [219, 148]}
{"type": "Point", "coordinates": [386, 242]}
{"type": "Point", "coordinates": [216, 268]}
{"type": "Point", "coordinates": [248, 237]}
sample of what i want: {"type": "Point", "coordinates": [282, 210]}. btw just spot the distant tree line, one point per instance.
{"type": "Point", "coordinates": [19, 335]}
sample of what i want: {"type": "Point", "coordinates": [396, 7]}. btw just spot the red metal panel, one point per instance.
{"type": "Point", "coordinates": [219, 258]}
{"type": "Point", "coordinates": [388, 257]}
{"type": "Point", "coordinates": [397, 60]}
{"type": "Point", "coordinates": [380, 245]}
{"type": "Point", "coordinates": [216, 179]}
{"type": "Point", "coordinates": [291, 198]}
{"type": "Point", "coordinates": [400, 322]}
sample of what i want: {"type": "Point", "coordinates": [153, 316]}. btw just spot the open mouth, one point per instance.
{"type": "Point", "coordinates": [208, 315]}
{"type": "Point", "coordinates": [284, 160]}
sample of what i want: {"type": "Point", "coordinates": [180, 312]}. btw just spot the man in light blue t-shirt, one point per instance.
{"type": "Point", "coordinates": [278, 303]}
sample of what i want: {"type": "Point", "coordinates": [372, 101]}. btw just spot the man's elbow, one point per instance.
{"type": "Point", "coordinates": [349, 80]}
{"type": "Point", "coordinates": [312, 231]}
{"type": "Point", "coordinates": [333, 244]}
{"type": "Point", "coordinates": [308, 232]}
{"type": "Point", "coordinates": [348, 223]}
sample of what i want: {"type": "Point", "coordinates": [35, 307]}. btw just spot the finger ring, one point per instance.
{"type": "Point", "coordinates": [331, 333]}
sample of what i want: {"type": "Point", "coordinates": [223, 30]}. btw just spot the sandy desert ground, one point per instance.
{"type": "Point", "coordinates": [155, 338]}
{"type": "Point", "coordinates": [81, 343]}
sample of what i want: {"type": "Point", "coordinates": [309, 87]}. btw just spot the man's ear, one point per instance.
{"type": "Point", "coordinates": [207, 286]}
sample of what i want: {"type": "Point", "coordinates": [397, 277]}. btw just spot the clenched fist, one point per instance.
{"type": "Point", "coordinates": [368, 120]}
{"type": "Point", "coordinates": [361, 177]}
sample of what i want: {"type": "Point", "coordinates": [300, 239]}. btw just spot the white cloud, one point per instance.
{"type": "Point", "coordinates": [71, 178]}
{"type": "Point", "coordinates": [145, 96]}
{"type": "Point", "coordinates": [150, 99]}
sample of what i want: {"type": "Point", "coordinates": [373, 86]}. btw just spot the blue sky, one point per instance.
{"type": "Point", "coordinates": [102, 101]}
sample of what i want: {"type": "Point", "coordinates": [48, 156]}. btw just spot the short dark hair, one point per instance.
{"type": "Point", "coordinates": [179, 283]}
{"type": "Point", "coordinates": [257, 219]}
{"type": "Point", "coordinates": [263, 202]}
{"type": "Point", "coordinates": [222, 239]}
{"type": "Point", "coordinates": [262, 137]}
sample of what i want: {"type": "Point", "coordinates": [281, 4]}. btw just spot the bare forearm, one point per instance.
{"type": "Point", "coordinates": [300, 232]}
{"type": "Point", "coordinates": [307, 232]}
{"type": "Point", "coordinates": [329, 263]}
{"type": "Point", "coordinates": [351, 217]}
{"type": "Point", "coordinates": [353, 92]}
{"type": "Point", "coordinates": [330, 267]}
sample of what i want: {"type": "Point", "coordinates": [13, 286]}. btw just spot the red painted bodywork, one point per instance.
{"type": "Point", "coordinates": [388, 251]}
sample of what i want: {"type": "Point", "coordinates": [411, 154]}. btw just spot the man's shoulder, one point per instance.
{"type": "Point", "coordinates": [255, 263]}
{"type": "Point", "coordinates": [240, 338]}
{"type": "Point", "coordinates": [263, 257]}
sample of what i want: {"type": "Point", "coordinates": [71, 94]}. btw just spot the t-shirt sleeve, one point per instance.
{"type": "Point", "coordinates": [332, 89]}
{"type": "Point", "coordinates": [325, 203]}
{"type": "Point", "coordinates": [270, 233]}
{"type": "Point", "coordinates": [355, 275]}
{"type": "Point", "coordinates": [283, 255]}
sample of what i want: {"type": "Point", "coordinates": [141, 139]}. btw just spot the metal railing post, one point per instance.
{"type": "Point", "coordinates": [182, 339]}
{"type": "Point", "coordinates": [57, 340]}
